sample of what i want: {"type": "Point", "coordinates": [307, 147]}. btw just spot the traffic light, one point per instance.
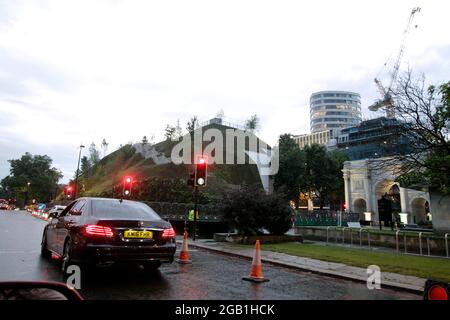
{"type": "Point", "coordinates": [68, 192]}
{"type": "Point", "coordinates": [191, 180]}
{"type": "Point", "coordinates": [127, 186]}
{"type": "Point", "coordinates": [201, 171]}
{"type": "Point", "coordinates": [436, 290]}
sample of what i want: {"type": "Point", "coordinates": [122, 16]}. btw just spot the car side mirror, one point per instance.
{"type": "Point", "coordinates": [75, 212]}
{"type": "Point", "coordinates": [53, 215]}
{"type": "Point", "coordinates": [35, 290]}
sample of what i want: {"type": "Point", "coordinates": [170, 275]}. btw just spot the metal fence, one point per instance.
{"type": "Point", "coordinates": [404, 241]}
{"type": "Point", "coordinates": [180, 211]}
{"type": "Point", "coordinates": [324, 218]}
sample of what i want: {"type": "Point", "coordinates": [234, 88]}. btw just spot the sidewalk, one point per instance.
{"type": "Point", "coordinates": [339, 270]}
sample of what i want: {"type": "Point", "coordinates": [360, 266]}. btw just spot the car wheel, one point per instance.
{"type": "Point", "coordinates": [152, 266]}
{"type": "Point", "coordinates": [66, 259]}
{"type": "Point", "coordinates": [44, 251]}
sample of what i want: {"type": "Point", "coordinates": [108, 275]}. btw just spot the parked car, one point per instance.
{"type": "Point", "coordinates": [54, 211]}
{"type": "Point", "coordinates": [97, 231]}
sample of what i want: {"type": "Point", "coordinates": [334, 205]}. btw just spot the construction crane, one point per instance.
{"type": "Point", "coordinates": [387, 101]}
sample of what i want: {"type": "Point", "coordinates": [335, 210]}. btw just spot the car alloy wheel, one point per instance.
{"type": "Point", "coordinates": [44, 250]}
{"type": "Point", "coordinates": [66, 258]}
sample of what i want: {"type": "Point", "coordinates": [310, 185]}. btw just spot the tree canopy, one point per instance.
{"type": "Point", "coordinates": [35, 170]}
{"type": "Point", "coordinates": [313, 171]}
{"type": "Point", "coordinates": [425, 112]}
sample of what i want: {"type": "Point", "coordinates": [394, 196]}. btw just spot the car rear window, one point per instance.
{"type": "Point", "coordinates": [123, 210]}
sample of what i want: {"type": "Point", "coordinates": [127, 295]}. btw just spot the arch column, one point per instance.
{"type": "Point", "coordinates": [405, 212]}
{"type": "Point", "coordinates": [347, 191]}
{"type": "Point", "coordinates": [368, 192]}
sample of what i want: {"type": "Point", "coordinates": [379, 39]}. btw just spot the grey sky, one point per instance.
{"type": "Point", "coordinates": [80, 71]}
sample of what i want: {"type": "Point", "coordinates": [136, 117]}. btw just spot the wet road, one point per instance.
{"type": "Point", "coordinates": [211, 276]}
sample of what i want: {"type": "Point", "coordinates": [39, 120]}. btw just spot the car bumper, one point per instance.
{"type": "Point", "coordinates": [104, 254]}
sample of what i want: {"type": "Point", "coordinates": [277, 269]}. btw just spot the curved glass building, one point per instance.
{"type": "Point", "coordinates": [334, 110]}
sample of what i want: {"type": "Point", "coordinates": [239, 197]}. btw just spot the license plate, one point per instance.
{"type": "Point", "coordinates": [135, 234]}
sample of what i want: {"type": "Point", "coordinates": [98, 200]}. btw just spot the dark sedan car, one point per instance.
{"type": "Point", "coordinates": [96, 231]}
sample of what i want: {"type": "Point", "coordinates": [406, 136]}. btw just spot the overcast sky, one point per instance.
{"type": "Point", "coordinates": [79, 71]}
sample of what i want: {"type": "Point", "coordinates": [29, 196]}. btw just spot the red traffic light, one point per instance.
{"type": "Point", "coordinates": [436, 290]}
{"type": "Point", "coordinates": [69, 189]}
{"type": "Point", "coordinates": [201, 171]}
{"type": "Point", "coordinates": [127, 186]}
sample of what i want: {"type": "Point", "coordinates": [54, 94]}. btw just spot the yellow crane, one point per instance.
{"type": "Point", "coordinates": [387, 101]}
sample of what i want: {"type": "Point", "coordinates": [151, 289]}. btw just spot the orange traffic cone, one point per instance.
{"type": "Point", "coordinates": [256, 274]}
{"type": "Point", "coordinates": [184, 254]}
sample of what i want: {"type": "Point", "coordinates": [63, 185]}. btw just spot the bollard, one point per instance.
{"type": "Point", "coordinates": [396, 241]}
{"type": "Point", "coordinates": [428, 245]}
{"type": "Point", "coordinates": [336, 234]}
{"type": "Point", "coordinates": [420, 242]}
{"type": "Point", "coordinates": [328, 229]}
{"type": "Point", "coordinates": [368, 238]}
{"type": "Point", "coordinates": [404, 240]}
{"type": "Point", "coordinates": [446, 244]}
{"type": "Point", "coordinates": [360, 237]}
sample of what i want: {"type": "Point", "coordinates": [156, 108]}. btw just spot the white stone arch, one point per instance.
{"type": "Point", "coordinates": [359, 205]}
{"type": "Point", "coordinates": [383, 186]}
{"type": "Point", "coordinates": [418, 211]}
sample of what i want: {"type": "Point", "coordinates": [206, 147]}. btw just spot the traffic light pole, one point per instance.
{"type": "Point", "coordinates": [195, 211]}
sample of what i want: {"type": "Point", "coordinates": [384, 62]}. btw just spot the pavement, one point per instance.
{"type": "Point", "coordinates": [340, 270]}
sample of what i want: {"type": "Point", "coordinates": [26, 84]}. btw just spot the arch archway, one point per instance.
{"type": "Point", "coordinates": [390, 190]}
{"type": "Point", "coordinates": [419, 209]}
{"type": "Point", "coordinates": [359, 206]}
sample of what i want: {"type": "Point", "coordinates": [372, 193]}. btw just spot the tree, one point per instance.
{"type": "Point", "coordinates": [323, 173]}
{"type": "Point", "coordinates": [104, 147]}
{"type": "Point", "coordinates": [286, 143]}
{"type": "Point", "coordinates": [192, 124]}
{"type": "Point", "coordinates": [85, 167]}
{"type": "Point", "coordinates": [252, 124]}
{"type": "Point", "coordinates": [178, 131]}
{"type": "Point", "coordinates": [250, 209]}
{"type": "Point", "coordinates": [36, 170]}
{"type": "Point", "coordinates": [313, 171]}
{"type": "Point", "coordinates": [94, 155]}
{"type": "Point", "coordinates": [290, 177]}
{"type": "Point", "coordinates": [144, 141]}
{"type": "Point", "coordinates": [425, 113]}
{"type": "Point", "coordinates": [169, 132]}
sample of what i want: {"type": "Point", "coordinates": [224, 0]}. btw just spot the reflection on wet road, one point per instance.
{"type": "Point", "coordinates": [210, 276]}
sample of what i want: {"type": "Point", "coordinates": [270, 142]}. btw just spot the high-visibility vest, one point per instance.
{"type": "Point", "coordinates": [191, 215]}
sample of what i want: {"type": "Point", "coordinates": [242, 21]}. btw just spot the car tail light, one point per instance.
{"type": "Point", "coordinates": [168, 233]}
{"type": "Point", "coordinates": [95, 230]}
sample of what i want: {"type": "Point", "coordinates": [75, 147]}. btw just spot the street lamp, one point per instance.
{"type": "Point", "coordinates": [78, 169]}
{"type": "Point", "coordinates": [26, 195]}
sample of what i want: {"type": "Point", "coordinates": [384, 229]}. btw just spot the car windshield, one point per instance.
{"type": "Point", "coordinates": [123, 210]}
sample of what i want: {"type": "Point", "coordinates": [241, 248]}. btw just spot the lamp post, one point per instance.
{"type": "Point", "coordinates": [26, 195]}
{"type": "Point", "coordinates": [76, 178]}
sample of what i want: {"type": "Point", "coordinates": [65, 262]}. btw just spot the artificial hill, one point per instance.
{"type": "Point", "coordinates": [159, 179]}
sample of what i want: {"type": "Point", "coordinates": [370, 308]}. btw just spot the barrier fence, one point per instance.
{"type": "Point", "coordinates": [324, 218]}
{"type": "Point", "coordinates": [180, 211]}
{"type": "Point", "coordinates": [338, 233]}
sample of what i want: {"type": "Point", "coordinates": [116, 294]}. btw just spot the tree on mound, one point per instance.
{"type": "Point", "coordinates": [250, 209]}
